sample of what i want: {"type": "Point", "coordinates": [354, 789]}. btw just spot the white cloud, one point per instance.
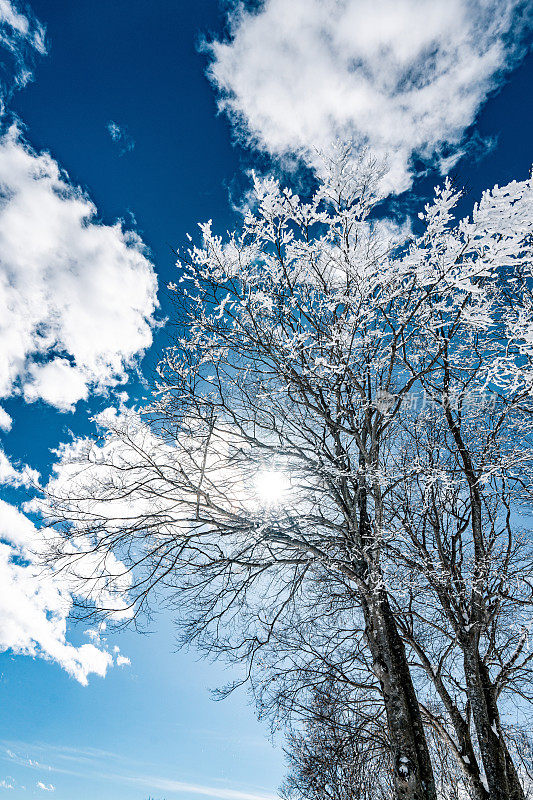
{"type": "Point", "coordinates": [74, 292]}
{"type": "Point", "coordinates": [86, 485]}
{"type": "Point", "coordinates": [10, 17]}
{"type": "Point", "coordinates": [33, 621]}
{"type": "Point", "coordinates": [35, 601]}
{"type": "Point", "coordinates": [97, 763]}
{"type": "Point", "coordinates": [405, 77]}
{"type": "Point", "coordinates": [16, 527]}
{"type": "Point", "coordinates": [46, 787]}
{"type": "Point", "coordinates": [21, 24]}
{"type": "Point", "coordinates": [57, 382]}
{"type": "Point", "coordinates": [34, 604]}
{"type": "Point", "coordinates": [10, 476]}
{"type": "Point", "coordinates": [121, 137]}
{"type": "Point", "coordinates": [5, 420]}
{"type": "Point", "coordinates": [7, 783]}
{"type": "Point", "coordinates": [77, 299]}
{"type": "Point", "coordinates": [21, 37]}
{"type": "Point", "coordinates": [217, 793]}
{"type": "Point", "coordinates": [26, 761]}
{"type": "Point", "coordinates": [123, 661]}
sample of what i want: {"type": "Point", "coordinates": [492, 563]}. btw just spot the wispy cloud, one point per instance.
{"type": "Point", "coordinates": [121, 137]}
{"type": "Point", "coordinates": [22, 36]}
{"type": "Point", "coordinates": [26, 761]}
{"type": "Point", "coordinates": [33, 754]}
{"type": "Point", "coordinates": [95, 762]}
{"type": "Point", "coordinates": [46, 787]}
{"type": "Point", "coordinates": [404, 77]}
{"type": "Point", "coordinates": [215, 792]}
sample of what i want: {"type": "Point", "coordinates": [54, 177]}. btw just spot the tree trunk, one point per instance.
{"type": "Point", "coordinates": [516, 791]}
{"type": "Point", "coordinates": [502, 778]}
{"type": "Point", "coordinates": [413, 777]}
{"type": "Point", "coordinates": [464, 748]}
{"type": "Point", "coordinates": [413, 773]}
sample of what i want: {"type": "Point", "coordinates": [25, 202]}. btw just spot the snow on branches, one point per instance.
{"type": "Point", "coordinates": [302, 340]}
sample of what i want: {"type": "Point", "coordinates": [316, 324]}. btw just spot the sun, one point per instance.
{"type": "Point", "coordinates": [271, 486]}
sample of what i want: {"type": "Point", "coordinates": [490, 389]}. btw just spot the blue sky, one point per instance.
{"type": "Point", "coordinates": [120, 99]}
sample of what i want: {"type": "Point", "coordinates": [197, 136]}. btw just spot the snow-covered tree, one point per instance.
{"type": "Point", "coordinates": [465, 487]}
{"type": "Point", "coordinates": [336, 754]}
{"type": "Point", "coordinates": [271, 459]}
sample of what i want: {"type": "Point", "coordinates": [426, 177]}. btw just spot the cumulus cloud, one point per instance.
{"type": "Point", "coordinates": [85, 480]}
{"type": "Point", "coordinates": [56, 382]}
{"type": "Point", "coordinates": [35, 603]}
{"type": "Point", "coordinates": [121, 137]}
{"type": "Point", "coordinates": [33, 610]}
{"type": "Point", "coordinates": [5, 420]}
{"type": "Point", "coordinates": [11, 476]}
{"type": "Point", "coordinates": [77, 297]}
{"type": "Point", "coordinates": [404, 77]}
{"type": "Point", "coordinates": [46, 787]}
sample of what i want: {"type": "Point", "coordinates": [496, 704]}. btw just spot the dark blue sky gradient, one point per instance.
{"type": "Point", "coordinates": [136, 63]}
